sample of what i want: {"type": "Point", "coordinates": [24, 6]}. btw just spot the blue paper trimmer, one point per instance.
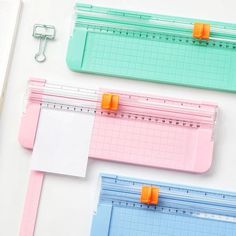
{"type": "Point", "coordinates": [181, 210]}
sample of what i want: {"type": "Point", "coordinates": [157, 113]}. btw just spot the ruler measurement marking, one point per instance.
{"type": "Point", "coordinates": [164, 37]}
{"type": "Point", "coordinates": [125, 115]}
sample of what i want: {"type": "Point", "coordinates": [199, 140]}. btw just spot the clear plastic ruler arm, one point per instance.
{"type": "Point", "coordinates": [98, 17]}
{"type": "Point", "coordinates": [131, 106]}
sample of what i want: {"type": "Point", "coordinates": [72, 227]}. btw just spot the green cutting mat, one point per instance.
{"type": "Point", "coordinates": [131, 47]}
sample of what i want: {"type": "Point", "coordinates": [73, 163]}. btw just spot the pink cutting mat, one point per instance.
{"type": "Point", "coordinates": [152, 143]}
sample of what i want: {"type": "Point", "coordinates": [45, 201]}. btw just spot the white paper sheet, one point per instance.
{"type": "Point", "coordinates": [62, 142]}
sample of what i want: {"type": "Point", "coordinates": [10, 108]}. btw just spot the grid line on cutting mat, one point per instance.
{"type": "Point", "coordinates": [158, 61]}
{"type": "Point", "coordinates": [139, 222]}
{"type": "Point", "coordinates": [142, 142]}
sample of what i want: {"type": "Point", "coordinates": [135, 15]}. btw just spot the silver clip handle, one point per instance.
{"type": "Point", "coordinates": [40, 55]}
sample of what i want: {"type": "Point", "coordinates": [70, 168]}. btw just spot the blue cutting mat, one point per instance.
{"type": "Point", "coordinates": [182, 211]}
{"type": "Point", "coordinates": [136, 222]}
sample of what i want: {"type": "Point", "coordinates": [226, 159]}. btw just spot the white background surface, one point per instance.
{"type": "Point", "coordinates": [67, 203]}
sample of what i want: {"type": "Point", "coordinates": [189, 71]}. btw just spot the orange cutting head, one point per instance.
{"type": "Point", "coordinates": [201, 30]}
{"type": "Point", "coordinates": [149, 195]}
{"type": "Point", "coordinates": [110, 101]}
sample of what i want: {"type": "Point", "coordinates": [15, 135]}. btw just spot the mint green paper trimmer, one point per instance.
{"type": "Point", "coordinates": [152, 47]}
